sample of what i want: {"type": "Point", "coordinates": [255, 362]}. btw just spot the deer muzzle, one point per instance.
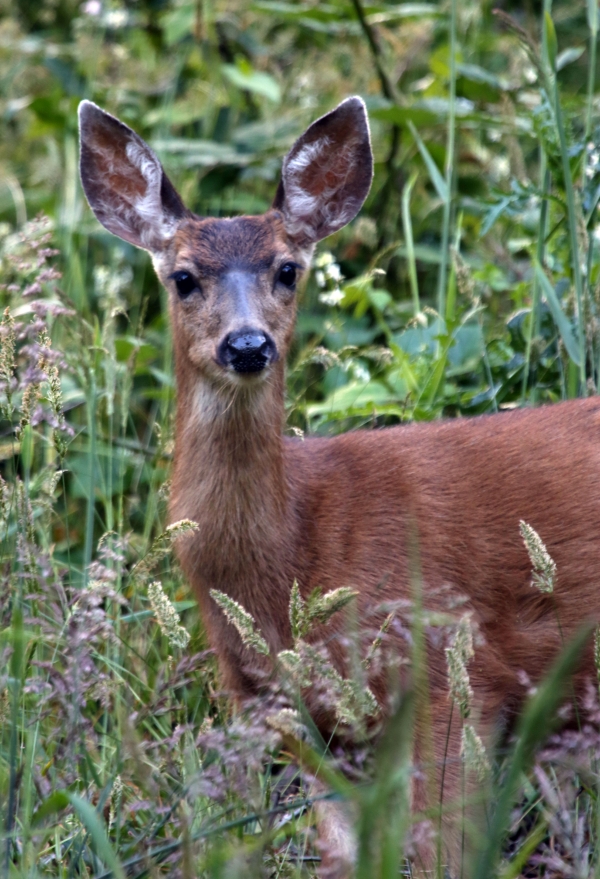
{"type": "Point", "coordinates": [247, 351]}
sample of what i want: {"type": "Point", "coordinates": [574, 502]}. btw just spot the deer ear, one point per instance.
{"type": "Point", "coordinates": [124, 182]}
{"type": "Point", "coordinates": [327, 174]}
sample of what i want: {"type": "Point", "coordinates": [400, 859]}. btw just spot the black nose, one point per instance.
{"type": "Point", "coordinates": [247, 351]}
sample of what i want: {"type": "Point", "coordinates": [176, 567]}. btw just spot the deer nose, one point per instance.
{"type": "Point", "coordinates": [247, 351]}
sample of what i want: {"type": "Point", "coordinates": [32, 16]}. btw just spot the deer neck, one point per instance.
{"type": "Point", "coordinates": [229, 477]}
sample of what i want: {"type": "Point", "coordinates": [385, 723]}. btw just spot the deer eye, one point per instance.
{"type": "Point", "coordinates": [287, 275]}
{"type": "Point", "coordinates": [185, 283]}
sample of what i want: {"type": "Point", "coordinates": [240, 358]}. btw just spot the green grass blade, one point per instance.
{"type": "Point", "coordinates": [551, 41]}
{"type": "Point", "coordinates": [515, 868]}
{"type": "Point", "coordinates": [16, 677]}
{"type": "Point", "coordinates": [384, 805]}
{"type": "Point", "coordinates": [533, 728]}
{"type": "Point", "coordinates": [560, 319]}
{"type": "Point", "coordinates": [436, 178]}
{"type": "Point", "coordinates": [56, 802]}
{"type": "Point", "coordinates": [410, 245]}
{"type": "Point", "coordinates": [94, 826]}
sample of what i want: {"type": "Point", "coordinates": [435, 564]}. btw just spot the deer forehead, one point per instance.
{"type": "Point", "coordinates": [217, 246]}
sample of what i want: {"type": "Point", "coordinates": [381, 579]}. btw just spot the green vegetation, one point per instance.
{"type": "Point", "coordinates": [470, 282]}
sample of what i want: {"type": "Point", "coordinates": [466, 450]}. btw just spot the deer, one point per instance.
{"type": "Point", "coordinates": [346, 510]}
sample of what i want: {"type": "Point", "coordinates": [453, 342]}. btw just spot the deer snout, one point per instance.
{"type": "Point", "coordinates": [247, 351]}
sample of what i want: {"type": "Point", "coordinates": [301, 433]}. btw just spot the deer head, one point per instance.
{"type": "Point", "coordinates": [232, 282]}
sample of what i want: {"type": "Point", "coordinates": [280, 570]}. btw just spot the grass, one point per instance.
{"type": "Point", "coordinates": [119, 754]}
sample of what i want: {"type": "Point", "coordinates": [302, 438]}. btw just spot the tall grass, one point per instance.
{"type": "Point", "coordinates": [119, 753]}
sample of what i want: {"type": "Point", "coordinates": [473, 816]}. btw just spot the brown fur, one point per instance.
{"type": "Point", "coordinates": [360, 509]}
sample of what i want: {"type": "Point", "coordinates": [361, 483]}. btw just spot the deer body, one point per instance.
{"type": "Point", "coordinates": [359, 509]}
{"type": "Point", "coordinates": [344, 511]}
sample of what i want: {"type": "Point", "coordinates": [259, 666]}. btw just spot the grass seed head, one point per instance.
{"type": "Point", "coordinates": [298, 617]}
{"type": "Point", "coordinates": [162, 546]}
{"type": "Point", "coordinates": [242, 620]}
{"type": "Point", "coordinates": [321, 608]}
{"type": "Point", "coordinates": [377, 641]}
{"type": "Point", "coordinates": [457, 656]}
{"type": "Point", "coordinates": [167, 617]}
{"type": "Point", "coordinates": [294, 667]}
{"type": "Point", "coordinates": [350, 698]}
{"type": "Point", "coordinates": [31, 396]}
{"type": "Point", "coordinates": [56, 404]}
{"type": "Point", "coordinates": [7, 360]}
{"type": "Point", "coordinates": [5, 497]}
{"type": "Point", "coordinates": [473, 752]}
{"type": "Point", "coordinates": [544, 567]}
{"type": "Point", "coordinates": [287, 721]}
{"type": "Point", "coordinates": [464, 277]}
{"type": "Point", "coordinates": [116, 796]}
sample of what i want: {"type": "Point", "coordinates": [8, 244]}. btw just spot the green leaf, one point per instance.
{"type": "Point", "coordinates": [429, 111]}
{"type": "Point", "coordinates": [353, 396]}
{"type": "Point", "coordinates": [178, 24]}
{"type": "Point", "coordinates": [436, 177]}
{"type": "Point", "coordinates": [560, 319]}
{"type": "Point", "coordinates": [416, 114]}
{"type": "Point", "coordinates": [551, 40]}
{"type": "Point", "coordinates": [320, 17]}
{"type": "Point", "coordinates": [406, 10]}
{"type": "Point", "coordinates": [479, 74]}
{"type": "Point", "coordinates": [379, 299]}
{"type": "Point", "coordinates": [569, 56]}
{"type": "Point", "coordinates": [467, 348]}
{"type": "Point", "coordinates": [56, 802]}
{"type": "Point", "coordinates": [252, 81]}
{"type": "Point", "coordinates": [207, 153]}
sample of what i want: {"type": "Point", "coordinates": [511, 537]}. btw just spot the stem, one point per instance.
{"type": "Point", "coordinates": [389, 91]}
{"type": "Point", "coordinates": [535, 319]}
{"type": "Point", "coordinates": [16, 675]}
{"type": "Point", "coordinates": [387, 86]}
{"type": "Point", "coordinates": [442, 780]}
{"type": "Point", "coordinates": [91, 505]}
{"type": "Point", "coordinates": [449, 166]}
{"type": "Point", "coordinates": [593, 25]}
{"type": "Point", "coordinates": [572, 217]}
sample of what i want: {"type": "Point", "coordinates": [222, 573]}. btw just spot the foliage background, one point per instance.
{"type": "Point", "coordinates": [455, 292]}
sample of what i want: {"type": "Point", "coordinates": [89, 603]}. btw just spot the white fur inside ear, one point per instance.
{"type": "Point", "coordinates": [307, 213]}
{"type": "Point", "coordinates": [149, 206]}
{"type": "Point", "coordinates": [299, 203]}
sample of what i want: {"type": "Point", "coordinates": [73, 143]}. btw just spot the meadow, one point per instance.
{"type": "Point", "coordinates": [469, 283]}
